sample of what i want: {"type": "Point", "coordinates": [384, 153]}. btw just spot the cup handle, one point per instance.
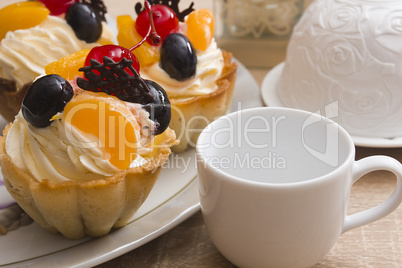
{"type": "Point", "coordinates": [363, 167]}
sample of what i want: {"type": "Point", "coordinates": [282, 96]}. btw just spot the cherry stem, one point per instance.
{"type": "Point", "coordinates": [151, 34]}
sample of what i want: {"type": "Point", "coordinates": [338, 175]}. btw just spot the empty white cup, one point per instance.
{"type": "Point", "coordinates": [275, 183]}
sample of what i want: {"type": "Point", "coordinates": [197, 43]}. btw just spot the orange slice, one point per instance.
{"type": "Point", "coordinates": [110, 121]}
{"type": "Point", "coordinates": [21, 15]}
{"type": "Point", "coordinates": [67, 67]}
{"type": "Point", "coordinates": [200, 28]}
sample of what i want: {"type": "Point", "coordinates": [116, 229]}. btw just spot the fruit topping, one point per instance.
{"type": "Point", "coordinates": [85, 22]}
{"type": "Point", "coordinates": [46, 97]}
{"type": "Point", "coordinates": [151, 36]}
{"type": "Point", "coordinates": [58, 7]}
{"type": "Point", "coordinates": [128, 37]}
{"type": "Point", "coordinates": [109, 120]}
{"type": "Point", "coordinates": [22, 15]}
{"type": "Point", "coordinates": [113, 79]}
{"type": "Point", "coordinates": [159, 109]}
{"type": "Point", "coordinates": [178, 57]}
{"type": "Point", "coordinates": [200, 28]}
{"type": "Point", "coordinates": [114, 52]}
{"type": "Point", "coordinates": [172, 4]}
{"type": "Point", "coordinates": [67, 67]}
{"type": "Point", "coordinates": [164, 18]}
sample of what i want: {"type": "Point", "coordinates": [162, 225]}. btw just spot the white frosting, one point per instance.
{"type": "Point", "coordinates": [24, 53]}
{"type": "Point", "coordinates": [60, 152]}
{"type": "Point", "coordinates": [209, 68]}
{"type": "Point", "coordinates": [349, 52]}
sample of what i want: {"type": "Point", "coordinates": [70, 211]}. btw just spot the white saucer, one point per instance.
{"type": "Point", "coordinates": [271, 98]}
{"type": "Point", "coordinates": [269, 86]}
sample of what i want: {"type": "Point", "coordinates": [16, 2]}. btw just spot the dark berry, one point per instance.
{"type": "Point", "coordinates": [159, 110]}
{"type": "Point", "coordinates": [178, 57]}
{"type": "Point", "coordinates": [84, 21]}
{"type": "Point", "coordinates": [46, 97]}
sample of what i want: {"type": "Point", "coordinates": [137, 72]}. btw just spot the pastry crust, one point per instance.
{"type": "Point", "coordinates": [191, 115]}
{"type": "Point", "coordinates": [92, 208]}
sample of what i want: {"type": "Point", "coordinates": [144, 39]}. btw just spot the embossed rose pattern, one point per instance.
{"type": "Point", "coordinates": [351, 51]}
{"type": "Point", "coordinates": [301, 90]}
{"type": "Point", "coordinates": [340, 58]}
{"type": "Point", "coordinates": [389, 31]}
{"type": "Point", "coordinates": [341, 18]}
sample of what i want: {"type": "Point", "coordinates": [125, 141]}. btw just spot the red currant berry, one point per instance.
{"type": "Point", "coordinates": [116, 53]}
{"type": "Point", "coordinates": [165, 20]}
{"type": "Point", "coordinates": [58, 7]}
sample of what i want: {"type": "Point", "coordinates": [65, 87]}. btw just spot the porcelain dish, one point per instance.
{"type": "Point", "coordinates": [270, 97]}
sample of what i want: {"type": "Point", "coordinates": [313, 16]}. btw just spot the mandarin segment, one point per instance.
{"type": "Point", "coordinates": [128, 37]}
{"type": "Point", "coordinates": [200, 28]}
{"type": "Point", "coordinates": [21, 15]}
{"type": "Point", "coordinates": [113, 129]}
{"type": "Point", "coordinates": [67, 67]}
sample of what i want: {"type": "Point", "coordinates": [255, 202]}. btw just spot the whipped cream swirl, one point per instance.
{"type": "Point", "coordinates": [59, 152]}
{"type": "Point", "coordinates": [209, 68]}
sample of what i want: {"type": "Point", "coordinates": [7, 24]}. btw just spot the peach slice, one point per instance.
{"type": "Point", "coordinates": [110, 121]}
{"type": "Point", "coordinates": [67, 67]}
{"type": "Point", "coordinates": [21, 15]}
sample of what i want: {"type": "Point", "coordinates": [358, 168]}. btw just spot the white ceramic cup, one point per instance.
{"type": "Point", "coordinates": [275, 183]}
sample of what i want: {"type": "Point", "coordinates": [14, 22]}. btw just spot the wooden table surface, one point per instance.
{"type": "Point", "coordinates": [378, 244]}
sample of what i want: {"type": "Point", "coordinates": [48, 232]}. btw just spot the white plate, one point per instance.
{"type": "Point", "coordinates": [173, 199]}
{"type": "Point", "coordinates": [270, 97]}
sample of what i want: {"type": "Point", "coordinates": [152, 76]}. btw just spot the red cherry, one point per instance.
{"type": "Point", "coordinates": [58, 7]}
{"type": "Point", "coordinates": [116, 53]}
{"type": "Point", "coordinates": [165, 20]}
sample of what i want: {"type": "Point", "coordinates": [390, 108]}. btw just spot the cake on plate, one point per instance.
{"type": "Point", "coordinates": [198, 77]}
{"type": "Point", "coordinates": [82, 155]}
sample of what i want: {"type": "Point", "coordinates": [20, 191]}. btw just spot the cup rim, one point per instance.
{"type": "Point", "coordinates": [346, 136]}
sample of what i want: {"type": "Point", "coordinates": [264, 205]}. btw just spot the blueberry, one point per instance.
{"type": "Point", "coordinates": [84, 21]}
{"type": "Point", "coordinates": [159, 110]}
{"type": "Point", "coordinates": [178, 57]}
{"type": "Point", "coordinates": [46, 97]}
